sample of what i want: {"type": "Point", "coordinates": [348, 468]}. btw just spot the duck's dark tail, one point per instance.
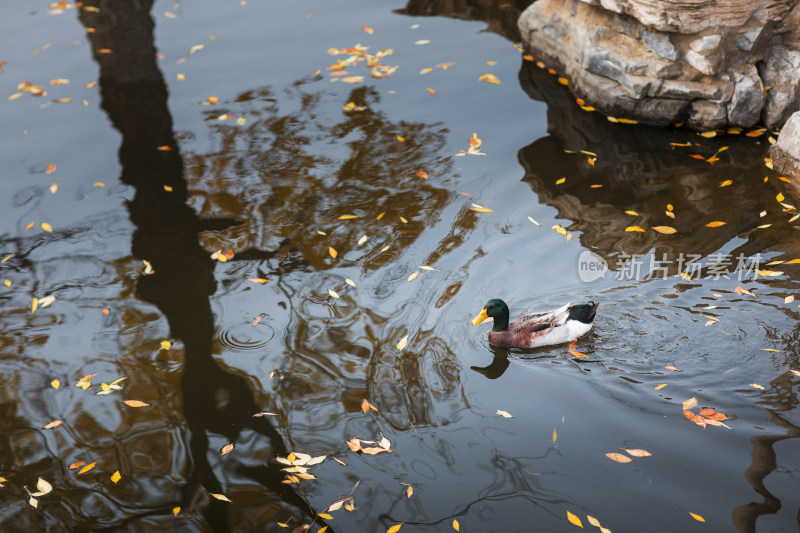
{"type": "Point", "coordinates": [583, 312]}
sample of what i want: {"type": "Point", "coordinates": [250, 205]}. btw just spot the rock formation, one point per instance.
{"type": "Point", "coordinates": [710, 64]}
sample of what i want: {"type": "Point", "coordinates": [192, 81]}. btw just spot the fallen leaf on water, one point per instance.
{"type": "Point", "coordinates": [788, 299]}
{"type": "Point", "coordinates": [533, 221]}
{"type": "Point", "coordinates": [55, 384]}
{"type": "Point", "coordinates": [326, 516]}
{"type": "Point", "coordinates": [699, 420]}
{"type": "Point", "coordinates": [422, 175]}
{"type": "Point", "coordinates": [86, 468]}
{"type": "Point", "coordinates": [757, 386]}
{"type": "Point", "coordinates": [769, 273]}
{"type": "Point", "coordinates": [54, 423]}
{"type": "Point", "coordinates": [52, 168]}
{"type": "Point", "coordinates": [635, 228]}
{"type": "Point", "coordinates": [47, 227]}
{"type": "Point", "coordinates": [228, 448]}
{"type": "Point", "coordinates": [667, 230]}
{"type": "Point", "coordinates": [708, 134]}
{"type": "Point", "coordinates": [661, 386]}
{"type": "Point", "coordinates": [740, 290]}
{"type": "Point", "coordinates": [594, 521]}
{"type": "Point", "coordinates": [780, 197]}
{"type": "Point", "coordinates": [426, 267]}
{"type": "Point", "coordinates": [333, 294]}
{"type": "Point", "coordinates": [560, 181]}
{"type": "Point", "coordinates": [54, 187]}
{"type": "Point", "coordinates": [618, 457]}
{"type": "Point", "coordinates": [713, 414]}
{"type": "Point", "coordinates": [481, 209]}
{"type": "Point", "coordinates": [413, 276]}
{"type": "Point", "coordinates": [433, 93]}
{"type": "Point", "coordinates": [136, 403]}
{"type": "Point", "coordinates": [175, 511]}
{"type": "Point", "coordinates": [697, 516]}
{"type": "Point", "coordinates": [726, 183]}
{"type": "Point", "coordinates": [670, 367]}
{"type": "Point", "coordinates": [691, 402]}
{"type": "Point", "coordinates": [574, 519]}
{"type": "Point", "coordinates": [402, 344]}
{"type": "Point", "coordinates": [44, 487]}
{"type": "Point", "coordinates": [634, 213]}
{"type": "Point", "coordinates": [637, 452]}
{"type": "Point", "coordinates": [715, 224]}
{"type": "Point", "coordinates": [348, 217]}
{"type": "Point", "coordinates": [115, 477]}
{"type": "Point", "coordinates": [489, 78]}
{"type": "Point", "coordinates": [555, 435]}
{"type": "Point", "coordinates": [166, 345]}
{"type": "Point", "coordinates": [332, 251]}
{"type": "Point", "coordinates": [220, 497]}
{"type": "Point", "coordinates": [350, 282]}
{"type": "Point", "coordinates": [504, 414]}
{"type": "Point", "coordinates": [257, 280]}
{"type": "Point", "coordinates": [367, 29]}
{"type": "Point", "coordinates": [409, 491]}
{"type": "Point", "coordinates": [456, 526]}
{"type": "Point", "coordinates": [77, 464]}
{"type": "Point", "coordinates": [394, 529]}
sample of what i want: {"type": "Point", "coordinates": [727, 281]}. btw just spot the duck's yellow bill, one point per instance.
{"type": "Point", "coordinates": [482, 316]}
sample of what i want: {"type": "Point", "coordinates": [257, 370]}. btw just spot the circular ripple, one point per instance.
{"type": "Point", "coordinates": [242, 337]}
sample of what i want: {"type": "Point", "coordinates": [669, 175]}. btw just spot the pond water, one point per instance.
{"type": "Point", "coordinates": [219, 126]}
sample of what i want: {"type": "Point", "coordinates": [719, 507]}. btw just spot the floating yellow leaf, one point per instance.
{"type": "Point", "coordinates": [332, 251]}
{"type": "Point", "coordinates": [86, 468]}
{"type": "Point", "coordinates": [769, 273]}
{"type": "Point", "coordinates": [350, 282]}
{"type": "Point", "coordinates": [55, 384]}
{"type": "Point", "coordinates": [555, 435]}
{"type": "Point", "coordinates": [574, 520]}
{"type": "Point", "coordinates": [635, 228]}
{"type": "Point", "coordinates": [257, 280]}
{"type": "Point", "coordinates": [353, 79]}
{"type": "Point", "coordinates": [686, 276]}
{"type": "Point", "coordinates": [659, 387]}
{"type": "Point", "coordinates": [402, 344]}
{"type": "Point", "coordinates": [560, 181]}
{"type": "Point", "coordinates": [228, 448]}
{"type": "Point", "coordinates": [715, 224]}
{"type": "Point", "coordinates": [634, 213]}
{"type": "Point", "coordinates": [333, 294]}
{"type": "Point", "coordinates": [594, 521]}
{"type": "Point", "coordinates": [691, 402]}
{"type": "Point", "coordinates": [638, 452]}
{"type": "Point", "coordinates": [394, 529]}
{"type": "Point", "coordinates": [43, 486]}
{"type": "Point", "coordinates": [697, 516]}
{"type": "Point", "coordinates": [47, 227]}
{"type": "Point", "coordinates": [347, 217]}
{"type": "Point", "coordinates": [166, 345]}
{"type": "Point", "coordinates": [220, 497]}
{"type": "Point", "coordinates": [54, 423]}
{"type": "Point", "coordinates": [409, 491]}
{"type": "Point", "coordinates": [175, 511]}
{"type": "Point", "coordinates": [489, 78]}
{"type": "Point", "coordinates": [115, 477]}
{"type": "Point", "coordinates": [667, 230]}
{"type": "Point", "coordinates": [413, 276]}
{"type": "Point", "coordinates": [726, 183]}
{"type": "Point", "coordinates": [433, 93]}
{"type": "Point", "coordinates": [34, 305]}
{"type": "Point", "coordinates": [401, 139]}
{"type": "Point", "coordinates": [456, 526]}
{"type": "Point", "coordinates": [563, 81]}
{"type": "Point", "coordinates": [426, 70]}
{"type": "Point", "coordinates": [136, 403]}
{"type": "Point", "coordinates": [481, 209]}
{"type": "Point", "coordinates": [709, 134]}
{"type": "Point", "coordinates": [326, 516]}
{"type": "Point", "coordinates": [780, 197]}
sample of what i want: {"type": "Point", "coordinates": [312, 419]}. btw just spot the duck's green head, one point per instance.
{"type": "Point", "coordinates": [496, 309]}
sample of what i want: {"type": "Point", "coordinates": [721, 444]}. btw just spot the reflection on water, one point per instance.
{"type": "Point", "coordinates": [324, 199]}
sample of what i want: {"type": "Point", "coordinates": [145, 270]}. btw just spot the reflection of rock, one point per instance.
{"type": "Point", "coordinates": [500, 15]}
{"type": "Point", "coordinates": [665, 62]}
{"type": "Point", "coordinates": [786, 153]}
{"type": "Point", "coordinates": [639, 170]}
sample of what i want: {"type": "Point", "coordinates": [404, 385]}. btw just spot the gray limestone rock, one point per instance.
{"type": "Point", "coordinates": [780, 72]}
{"type": "Point", "coordinates": [747, 99]}
{"type": "Point", "coordinates": [786, 152]}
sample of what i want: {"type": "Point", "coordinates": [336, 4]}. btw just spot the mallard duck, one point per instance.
{"type": "Point", "coordinates": [537, 329]}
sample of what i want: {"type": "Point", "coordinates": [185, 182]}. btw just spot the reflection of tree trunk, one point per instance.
{"type": "Point", "coordinates": [763, 463]}
{"type": "Point", "coordinates": [135, 97]}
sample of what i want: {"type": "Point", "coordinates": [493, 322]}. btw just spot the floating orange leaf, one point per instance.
{"type": "Point", "coordinates": [51, 425]}
{"type": "Point", "coordinates": [667, 230]}
{"type": "Point", "coordinates": [697, 516]}
{"type": "Point", "coordinates": [51, 168]}
{"type": "Point", "coordinates": [367, 29]}
{"type": "Point", "coordinates": [77, 464]}
{"type": "Point", "coordinates": [433, 93]}
{"type": "Point", "coordinates": [332, 251]}
{"type": "Point", "coordinates": [228, 448]}
{"type": "Point", "coordinates": [635, 228]}
{"type": "Point", "coordinates": [86, 468]}
{"type": "Point", "coordinates": [713, 414]}
{"type": "Point", "coordinates": [670, 367]}
{"type": "Point", "coordinates": [691, 402]}
{"type": "Point", "coordinates": [699, 420]}
{"type": "Point", "coordinates": [136, 403]}
{"type": "Point", "coordinates": [489, 78]}
{"type": "Point", "coordinates": [618, 457]}
{"type": "Point", "coordinates": [422, 175]}
{"type": "Point", "coordinates": [715, 224]}
{"type": "Point", "coordinates": [757, 386]}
